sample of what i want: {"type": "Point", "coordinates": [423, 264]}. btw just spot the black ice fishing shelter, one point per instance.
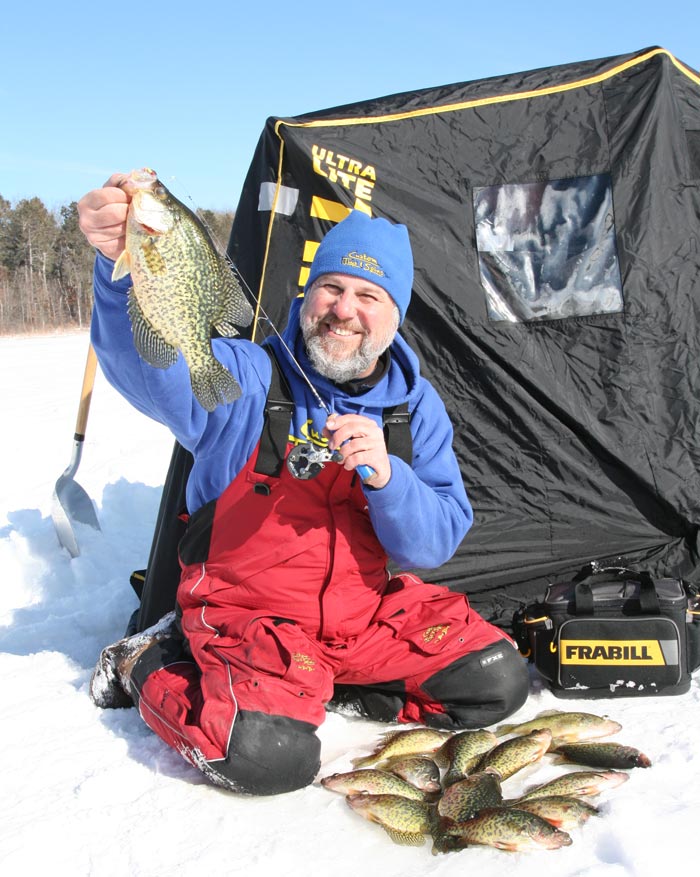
{"type": "Point", "coordinates": [555, 223]}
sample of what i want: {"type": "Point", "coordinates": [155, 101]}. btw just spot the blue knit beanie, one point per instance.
{"type": "Point", "coordinates": [373, 249]}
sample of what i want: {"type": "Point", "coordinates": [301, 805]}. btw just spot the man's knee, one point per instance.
{"type": "Point", "coordinates": [479, 688]}
{"type": "Point", "coordinates": [267, 755]}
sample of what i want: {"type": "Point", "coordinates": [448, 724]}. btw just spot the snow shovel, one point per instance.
{"type": "Point", "coordinates": [70, 501]}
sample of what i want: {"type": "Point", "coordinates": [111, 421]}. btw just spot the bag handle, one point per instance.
{"type": "Point", "coordinates": [585, 580]}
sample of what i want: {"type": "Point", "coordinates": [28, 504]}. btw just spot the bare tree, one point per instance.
{"type": "Point", "coordinates": [46, 265]}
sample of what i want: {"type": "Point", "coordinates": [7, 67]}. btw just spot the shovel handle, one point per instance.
{"type": "Point", "coordinates": [86, 394]}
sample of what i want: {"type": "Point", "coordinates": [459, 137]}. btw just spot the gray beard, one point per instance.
{"type": "Point", "coordinates": [343, 370]}
{"type": "Point", "coordinates": [340, 371]}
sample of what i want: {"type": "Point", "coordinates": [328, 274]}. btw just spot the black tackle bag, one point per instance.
{"type": "Point", "coordinates": [613, 632]}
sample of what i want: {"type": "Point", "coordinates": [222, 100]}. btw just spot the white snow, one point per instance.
{"type": "Point", "coordinates": [91, 792]}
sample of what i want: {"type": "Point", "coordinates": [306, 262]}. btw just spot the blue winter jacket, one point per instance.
{"type": "Point", "coordinates": [420, 516]}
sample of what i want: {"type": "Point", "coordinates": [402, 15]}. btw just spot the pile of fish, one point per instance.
{"type": "Point", "coordinates": [449, 785]}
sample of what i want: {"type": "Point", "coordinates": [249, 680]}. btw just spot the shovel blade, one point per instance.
{"type": "Point", "coordinates": [70, 503]}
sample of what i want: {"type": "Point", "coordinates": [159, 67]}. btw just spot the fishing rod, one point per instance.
{"type": "Point", "coordinates": [305, 456]}
{"type": "Point", "coordinates": [304, 459]}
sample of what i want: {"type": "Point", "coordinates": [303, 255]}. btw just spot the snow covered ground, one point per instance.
{"type": "Point", "coordinates": [91, 792]}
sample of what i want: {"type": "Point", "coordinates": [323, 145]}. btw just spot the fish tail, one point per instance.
{"type": "Point", "coordinates": [214, 385]}
{"type": "Point", "coordinates": [363, 760]}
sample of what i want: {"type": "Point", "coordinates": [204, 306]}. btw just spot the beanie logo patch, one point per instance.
{"type": "Point", "coordinates": [362, 262]}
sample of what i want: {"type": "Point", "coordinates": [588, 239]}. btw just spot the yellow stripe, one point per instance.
{"type": "Point", "coordinates": [267, 242]}
{"type": "Point", "coordinates": [495, 99]}
{"type": "Point", "coordinates": [322, 208]}
{"type": "Point", "coordinates": [310, 248]}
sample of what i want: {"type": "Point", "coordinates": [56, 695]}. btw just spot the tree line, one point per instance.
{"type": "Point", "coordinates": [46, 265]}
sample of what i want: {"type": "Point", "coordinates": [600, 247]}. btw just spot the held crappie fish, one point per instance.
{"type": "Point", "coordinates": [182, 288]}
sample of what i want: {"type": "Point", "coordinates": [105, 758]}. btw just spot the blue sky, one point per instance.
{"type": "Point", "coordinates": [186, 88]}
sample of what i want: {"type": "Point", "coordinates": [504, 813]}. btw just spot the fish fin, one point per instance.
{"type": "Point", "coordinates": [153, 258]}
{"type": "Point", "coordinates": [235, 308]}
{"type": "Point", "coordinates": [443, 843]}
{"type": "Point", "coordinates": [559, 757]}
{"type": "Point", "coordinates": [214, 385]}
{"type": "Point", "coordinates": [405, 838]}
{"type": "Point", "coordinates": [122, 266]}
{"type": "Point", "coordinates": [225, 328]}
{"type": "Point", "coordinates": [364, 760]}
{"type": "Point", "coordinates": [442, 755]}
{"type": "Point", "coordinates": [390, 736]}
{"type": "Point", "coordinates": [149, 344]}
{"type": "Point", "coordinates": [502, 730]}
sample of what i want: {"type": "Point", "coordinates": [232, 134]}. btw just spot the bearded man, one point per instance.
{"type": "Point", "coordinates": [285, 604]}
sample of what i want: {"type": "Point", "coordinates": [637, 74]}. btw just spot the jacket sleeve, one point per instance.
{"type": "Point", "coordinates": [162, 394]}
{"type": "Point", "coordinates": [423, 513]}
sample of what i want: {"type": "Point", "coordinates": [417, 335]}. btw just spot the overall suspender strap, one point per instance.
{"type": "Point", "coordinates": [278, 415]}
{"type": "Point", "coordinates": [397, 432]}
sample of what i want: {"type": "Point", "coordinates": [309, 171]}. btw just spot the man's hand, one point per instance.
{"type": "Point", "coordinates": [102, 215]}
{"type": "Point", "coordinates": [360, 441]}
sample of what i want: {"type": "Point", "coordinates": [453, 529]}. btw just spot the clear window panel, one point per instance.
{"type": "Point", "coordinates": [547, 250]}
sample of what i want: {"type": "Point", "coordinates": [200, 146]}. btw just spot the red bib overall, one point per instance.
{"type": "Point", "coordinates": [285, 592]}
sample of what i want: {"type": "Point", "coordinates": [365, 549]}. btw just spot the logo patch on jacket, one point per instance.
{"type": "Point", "coordinates": [435, 633]}
{"type": "Point", "coordinates": [304, 662]}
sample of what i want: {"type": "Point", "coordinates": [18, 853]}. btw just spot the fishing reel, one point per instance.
{"type": "Point", "coordinates": [306, 460]}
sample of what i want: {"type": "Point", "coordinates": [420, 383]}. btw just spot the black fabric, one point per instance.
{"type": "Point", "coordinates": [397, 432]}
{"type": "Point", "coordinates": [480, 688]}
{"type": "Point", "coordinates": [576, 436]}
{"type": "Point", "coordinates": [194, 545]}
{"type": "Point", "coordinates": [268, 755]}
{"type": "Point", "coordinates": [380, 703]}
{"type": "Point", "coordinates": [162, 575]}
{"type": "Point", "coordinates": [693, 138]}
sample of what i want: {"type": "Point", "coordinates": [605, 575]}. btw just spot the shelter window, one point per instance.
{"type": "Point", "coordinates": [547, 250]}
